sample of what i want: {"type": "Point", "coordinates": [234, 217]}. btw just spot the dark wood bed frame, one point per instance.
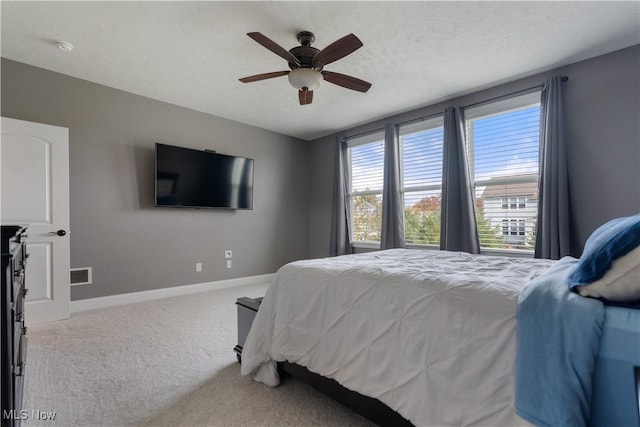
{"type": "Point", "coordinates": [368, 407]}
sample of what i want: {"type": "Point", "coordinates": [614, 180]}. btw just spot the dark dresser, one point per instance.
{"type": "Point", "coordinates": [14, 339]}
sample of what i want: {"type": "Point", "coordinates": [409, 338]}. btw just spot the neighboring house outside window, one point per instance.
{"type": "Point", "coordinates": [512, 208]}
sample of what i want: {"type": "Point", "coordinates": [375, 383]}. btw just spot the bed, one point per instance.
{"type": "Point", "coordinates": [411, 328]}
{"type": "Point", "coordinates": [429, 334]}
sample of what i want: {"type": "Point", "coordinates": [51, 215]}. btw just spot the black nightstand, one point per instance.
{"type": "Point", "coordinates": [247, 309]}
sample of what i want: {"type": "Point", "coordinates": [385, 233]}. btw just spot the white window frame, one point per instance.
{"type": "Point", "coordinates": [406, 129]}
{"type": "Point", "coordinates": [369, 138]}
{"type": "Point", "coordinates": [507, 105]}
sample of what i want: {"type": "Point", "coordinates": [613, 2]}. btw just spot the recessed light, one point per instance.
{"type": "Point", "coordinates": [63, 45]}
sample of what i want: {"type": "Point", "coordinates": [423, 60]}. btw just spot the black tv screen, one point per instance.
{"type": "Point", "coordinates": [187, 178]}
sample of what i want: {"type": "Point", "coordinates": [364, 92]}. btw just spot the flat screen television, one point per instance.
{"type": "Point", "coordinates": [187, 178]}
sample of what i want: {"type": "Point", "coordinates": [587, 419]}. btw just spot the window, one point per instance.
{"type": "Point", "coordinates": [421, 180]}
{"type": "Point", "coordinates": [513, 227]}
{"type": "Point", "coordinates": [365, 159]}
{"type": "Point", "coordinates": [514, 202]}
{"type": "Point", "coordinates": [503, 143]}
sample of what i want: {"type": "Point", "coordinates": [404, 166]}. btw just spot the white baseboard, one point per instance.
{"type": "Point", "coordinates": [121, 299]}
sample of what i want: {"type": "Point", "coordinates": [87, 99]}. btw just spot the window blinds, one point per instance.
{"type": "Point", "coordinates": [366, 170]}
{"type": "Point", "coordinates": [503, 147]}
{"type": "Point", "coordinates": [421, 163]}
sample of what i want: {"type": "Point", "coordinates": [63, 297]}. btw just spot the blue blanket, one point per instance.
{"type": "Point", "coordinates": [558, 339]}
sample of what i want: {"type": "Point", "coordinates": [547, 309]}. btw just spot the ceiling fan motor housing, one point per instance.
{"type": "Point", "coordinates": [305, 55]}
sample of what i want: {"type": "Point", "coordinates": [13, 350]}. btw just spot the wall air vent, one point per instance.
{"type": "Point", "coordinates": [80, 276]}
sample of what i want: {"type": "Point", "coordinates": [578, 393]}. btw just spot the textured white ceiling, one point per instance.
{"type": "Point", "coordinates": [415, 53]}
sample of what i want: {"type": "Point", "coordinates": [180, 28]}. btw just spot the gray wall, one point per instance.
{"type": "Point", "coordinates": [131, 245]}
{"type": "Point", "coordinates": [602, 109]}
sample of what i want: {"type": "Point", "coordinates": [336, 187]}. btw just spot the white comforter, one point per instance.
{"type": "Point", "coordinates": [429, 333]}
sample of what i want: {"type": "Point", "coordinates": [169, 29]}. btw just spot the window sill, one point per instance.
{"type": "Point", "coordinates": [514, 253]}
{"type": "Point", "coordinates": [370, 246]}
{"type": "Point", "coordinates": [422, 247]}
{"type": "Point", "coordinates": [366, 245]}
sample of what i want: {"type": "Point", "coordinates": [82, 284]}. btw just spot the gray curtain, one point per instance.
{"type": "Point", "coordinates": [392, 211]}
{"type": "Point", "coordinates": [340, 243]}
{"type": "Point", "coordinates": [552, 228]}
{"type": "Point", "coordinates": [458, 229]}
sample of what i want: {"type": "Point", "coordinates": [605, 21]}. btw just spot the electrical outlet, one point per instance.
{"type": "Point", "coordinates": [228, 263]}
{"type": "Point", "coordinates": [228, 254]}
{"type": "Point", "coordinates": [198, 267]}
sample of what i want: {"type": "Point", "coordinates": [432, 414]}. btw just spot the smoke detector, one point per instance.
{"type": "Point", "coordinates": [64, 46]}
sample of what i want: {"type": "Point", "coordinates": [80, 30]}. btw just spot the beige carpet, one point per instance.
{"type": "Point", "coordinates": [162, 363]}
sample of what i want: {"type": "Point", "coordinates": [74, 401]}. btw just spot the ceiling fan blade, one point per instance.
{"type": "Point", "coordinates": [264, 76]}
{"type": "Point", "coordinates": [274, 47]}
{"type": "Point", "coordinates": [336, 50]}
{"type": "Point", "coordinates": [346, 81]}
{"type": "Point", "coordinates": [305, 96]}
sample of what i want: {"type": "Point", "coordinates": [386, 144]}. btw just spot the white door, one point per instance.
{"type": "Point", "coordinates": [34, 185]}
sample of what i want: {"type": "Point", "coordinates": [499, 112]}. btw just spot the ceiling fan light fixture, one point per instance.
{"type": "Point", "coordinates": [301, 78]}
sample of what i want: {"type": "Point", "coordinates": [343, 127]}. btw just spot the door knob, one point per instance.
{"type": "Point", "coordinates": [59, 233]}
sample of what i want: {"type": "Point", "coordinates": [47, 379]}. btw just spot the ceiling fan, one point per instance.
{"type": "Point", "coordinates": [306, 64]}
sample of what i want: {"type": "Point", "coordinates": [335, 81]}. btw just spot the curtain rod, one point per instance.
{"type": "Point", "coordinates": [563, 79]}
{"type": "Point", "coordinates": [505, 96]}
{"type": "Point", "coordinates": [420, 119]}
{"type": "Point", "coordinates": [358, 135]}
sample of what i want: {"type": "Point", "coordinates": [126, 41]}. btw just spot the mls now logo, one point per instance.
{"type": "Point", "coordinates": [34, 414]}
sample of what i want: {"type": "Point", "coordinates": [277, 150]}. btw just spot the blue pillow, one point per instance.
{"type": "Point", "coordinates": [607, 243]}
